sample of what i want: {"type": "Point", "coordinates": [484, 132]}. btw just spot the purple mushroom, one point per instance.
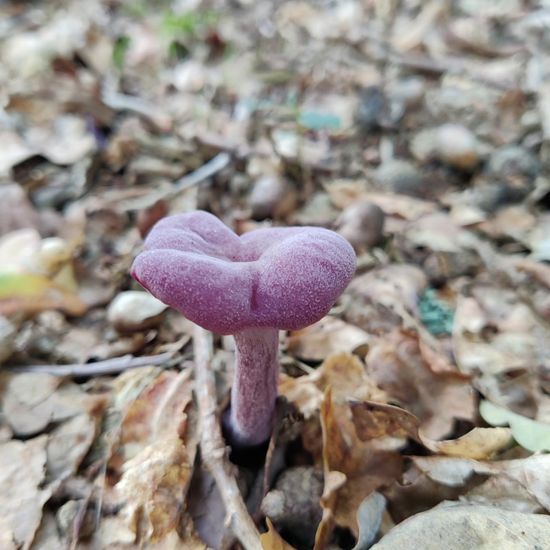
{"type": "Point", "coordinates": [251, 287]}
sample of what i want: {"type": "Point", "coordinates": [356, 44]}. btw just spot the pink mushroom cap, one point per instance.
{"type": "Point", "coordinates": [284, 278]}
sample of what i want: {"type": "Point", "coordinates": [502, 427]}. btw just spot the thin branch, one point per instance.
{"type": "Point", "coordinates": [207, 170]}
{"type": "Point", "coordinates": [213, 448]}
{"type": "Point", "coordinates": [109, 366]}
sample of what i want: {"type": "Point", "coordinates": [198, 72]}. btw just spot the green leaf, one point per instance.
{"type": "Point", "coordinates": [530, 434]}
{"type": "Point", "coordinates": [31, 293]}
{"type": "Point", "coordinates": [119, 51]}
{"type": "Point", "coordinates": [19, 284]}
{"type": "Point", "coordinates": [316, 120]}
{"type": "Point", "coordinates": [435, 314]}
{"type": "Point", "coordinates": [188, 23]}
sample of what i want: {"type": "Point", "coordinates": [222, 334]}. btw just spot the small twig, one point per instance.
{"type": "Point", "coordinates": [213, 448]}
{"type": "Point", "coordinates": [109, 366]}
{"type": "Point", "coordinates": [207, 170]}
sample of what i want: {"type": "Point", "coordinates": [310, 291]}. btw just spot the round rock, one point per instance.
{"type": "Point", "coordinates": [134, 310]}
{"type": "Point", "coordinates": [362, 224]}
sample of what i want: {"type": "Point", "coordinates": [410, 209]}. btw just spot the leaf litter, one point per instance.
{"type": "Point", "coordinates": [418, 409]}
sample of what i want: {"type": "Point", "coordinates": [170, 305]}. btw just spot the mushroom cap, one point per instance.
{"type": "Point", "coordinates": [284, 278]}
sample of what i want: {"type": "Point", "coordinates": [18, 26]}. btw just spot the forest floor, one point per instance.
{"type": "Point", "coordinates": [418, 130]}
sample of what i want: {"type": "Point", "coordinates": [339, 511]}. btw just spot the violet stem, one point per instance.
{"type": "Point", "coordinates": [254, 386]}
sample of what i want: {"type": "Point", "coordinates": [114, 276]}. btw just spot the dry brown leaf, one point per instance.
{"type": "Point", "coordinates": [271, 540]}
{"type": "Point", "coordinates": [344, 373]}
{"type": "Point", "coordinates": [22, 471]}
{"type": "Point", "coordinates": [156, 457]}
{"type": "Point", "coordinates": [373, 420]}
{"type": "Point", "coordinates": [153, 485]}
{"type": "Point", "coordinates": [458, 526]}
{"type": "Point", "coordinates": [367, 466]}
{"type": "Point", "coordinates": [328, 336]}
{"type": "Point", "coordinates": [436, 398]}
{"type": "Point", "coordinates": [532, 473]}
{"type": "Point", "coordinates": [16, 210]}
{"type": "Point", "coordinates": [68, 443]}
{"type": "Point", "coordinates": [154, 411]}
{"type": "Point", "coordinates": [343, 193]}
{"type": "Point", "coordinates": [333, 482]}
{"type": "Point", "coordinates": [479, 444]}
{"type": "Point", "coordinates": [495, 332]}
{"type": "Point", "coordinates": [31, 401]}
{"type": "Point", "coordinates": [394, 286]}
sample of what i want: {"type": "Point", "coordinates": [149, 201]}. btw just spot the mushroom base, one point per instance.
{"type": "Point", "coordinates": [254, 390]}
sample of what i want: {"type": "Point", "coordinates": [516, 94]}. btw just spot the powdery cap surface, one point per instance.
{"type": "Point", "coordinates": [285, 278]}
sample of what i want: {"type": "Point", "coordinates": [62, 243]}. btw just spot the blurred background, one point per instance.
{"type": "Point", "coordinates": [420, 130]}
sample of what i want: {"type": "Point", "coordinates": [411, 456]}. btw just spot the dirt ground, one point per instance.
{"type": "Point", "coordinates": [417, 413]}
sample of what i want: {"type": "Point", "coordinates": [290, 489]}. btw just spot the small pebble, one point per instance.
{"type": "Point", "coordinates": [271, 197]}
{"type": "Point", "coordinates": [362, 224]}
{"type": "Point", "coordinates": [451, 144]}
{"type": "Point", "coordinates": [401, 176]}
{"type": "Point", "coordinates": [513, 161]}
{"type": "Point", "coordinates": [134, 310]}
{"type": "Point", "coordinates": [293, 504]}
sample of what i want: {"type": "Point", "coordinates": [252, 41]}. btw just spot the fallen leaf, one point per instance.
{"type": "Point", "coordinates": [68, 443]}
{"type": "Point", "coordinates": [369, 518]}
{"type": "Point", "coordinates": [479, 444]}
{"type": "Point", "coordinates": [386, 298]}
{"type": "Point", "coordinates": [366, 466]}
{"type": "Point", "coordinates": [530, 434]}
{"type": "Point", "coordinates": [32, 294]}
{"type": "Point", "coordinates": [495, 332]}
{"type": "Point", "coordinates": [16, 210]}
{"type": "Point", "coordinates": [396, 364]}
{"type": "Point", "coordinates": [532, 474]}
{"type": "Point", "coordinates": [458, 526]}
{"type": "Point", "coordinates": [153, 485]}
{"type": "Point", "coordinates": [156, 455]}
{"type": "Point", "coordinates": [31, 401]}
{"type": "Point", "coordinates": [373, 420]}
{"type": "Point", "coordinates": [22, 471]}
{"type": "Point", "coordinates": [343, 372]}
{"type": "Point", "coordinates": [328, 336]}
{"type": "Point", "coordinates": [271, 540]}
{"type": "Point", "coordinates": [332, 483]}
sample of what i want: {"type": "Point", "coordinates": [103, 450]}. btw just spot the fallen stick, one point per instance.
{"type": "Point", "coordinates": [108, 366]}
{"type": "Point", "coordinates": [213, 447]}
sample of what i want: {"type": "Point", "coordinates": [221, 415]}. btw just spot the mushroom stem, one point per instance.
{"type": "Point", "coordinates": [255, 386]}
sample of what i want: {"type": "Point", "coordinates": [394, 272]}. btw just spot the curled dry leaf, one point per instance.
{"type": "Point", "coordinates": [373, 420]}
{"type": "Point", "coordinates": [366, 466]}
{"type": "Point", "coordinates": [344, 373]}
{"type": "Point", "coordinates": [157, 452]}
{"type": "Point", "coordinates": [369, 518]}
{"type": "Point", "coordinates": [328, 336]}
{"type": "Point", "coordinates": [271, 540]}
{"type": "Point", "coordinates": [458, 526]}
{"type": "Point", "coordinates": [396, 364]}
{"type": "Point", "coordinates": [532, 474]}
{"type": "Point", "coordinates": [153, 484]}
{"type": "Point", "coordinates": [479, 444]}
